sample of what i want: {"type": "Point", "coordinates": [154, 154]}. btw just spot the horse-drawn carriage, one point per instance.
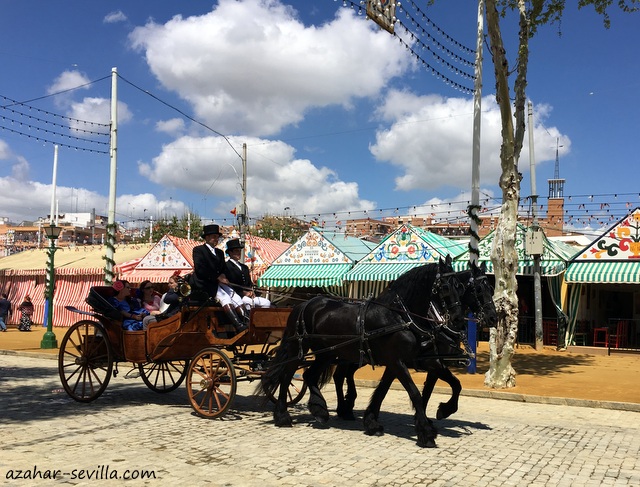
{"type": "Point", "coordinates": [197, 343]}
{"type": "Point", "coordinates": [418, 322]}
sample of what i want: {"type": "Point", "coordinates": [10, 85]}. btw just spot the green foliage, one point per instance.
{"type": "Point", "coordinates": [184, 227]}
{"type": "Point", "coordinates": [282, 228]}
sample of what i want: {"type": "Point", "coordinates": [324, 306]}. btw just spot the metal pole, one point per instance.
{"type": "Point", "coordinates": [111, 220]}
{"type": "Point", "coordinates": [537, 287]}
{"type": "Point", "coordinates": [49, 339]}
{"type": "Point", "coordinates": [474, 236]}
{"type": "Point", "coordinates": [243, 220]}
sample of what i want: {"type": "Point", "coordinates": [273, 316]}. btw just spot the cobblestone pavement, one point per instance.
{"type": "Point", "coordinates": [130, 428]}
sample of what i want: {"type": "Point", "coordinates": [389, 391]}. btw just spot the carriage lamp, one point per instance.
{"type": "Point", "coordinates": [49, 339]}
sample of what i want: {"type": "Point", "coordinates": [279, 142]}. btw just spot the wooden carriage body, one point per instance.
{"type": "Point", "coordinates": [198, 342]}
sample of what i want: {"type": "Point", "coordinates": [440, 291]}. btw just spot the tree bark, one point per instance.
{"type": "Point", "coordinates": [504, 256]}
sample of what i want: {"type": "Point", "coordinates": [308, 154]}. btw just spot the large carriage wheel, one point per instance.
{"type": "Point", "coordinates": [163, 376]}
{"type": "Point", "coordinates": [211, 383]}
{"type": "Point", "coordinates": [85, 361]}
{"type": "Point", "coordinates": [297, 386]}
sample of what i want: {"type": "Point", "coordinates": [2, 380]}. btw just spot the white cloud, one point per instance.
{"type": "Point", "coordinates": [5, 151]}
{"type": "Point", "coordinates": [69, 80]}
{"type": "Point", "coordinates": [275, 178]}
{"type": "Point", "coordinates": [21, 169]}
{"type": "Point", "coordinates": [253, 67]}
{"type": "Point", "coordinates": [430, 140]}
{"type": "Point", "coordinates": [97, 110]}
{"type": "Point", "coordinates": [172, 127]}
{"type": "Point", "coordinates": [114, 17]}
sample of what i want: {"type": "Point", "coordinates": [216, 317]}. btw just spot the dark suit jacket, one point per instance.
{"type": "Point", "coordinates": [240, 276]}
{"type": "Point", "coordinates": [206, 269]}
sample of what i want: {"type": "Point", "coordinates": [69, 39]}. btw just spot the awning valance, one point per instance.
{"type": "Point", "coordinates": [379, 272]}
{"type": "Point", "coordinates": [304, 275]}
{"type": "Point", "coordinates": [525, 267]}
{"type": "Point", "coordinates": [627, 272]}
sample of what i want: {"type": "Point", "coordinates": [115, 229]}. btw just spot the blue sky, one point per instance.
{"type": "Point", "coordinates": [339, 119]}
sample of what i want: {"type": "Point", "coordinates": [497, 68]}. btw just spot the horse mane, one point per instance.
{"type": "Point", "coordinates": [411, 285]}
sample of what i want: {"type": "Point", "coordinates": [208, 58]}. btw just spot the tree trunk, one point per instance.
{"type": "Point", "coordinates": [504, 256]}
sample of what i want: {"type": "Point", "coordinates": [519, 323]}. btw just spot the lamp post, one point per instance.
{"type": "Point", "coordinates": [49, 339]}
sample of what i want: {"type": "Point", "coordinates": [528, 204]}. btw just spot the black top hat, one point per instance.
{"type": "Point", "coordinates": [234, 243]}
{"type": "Point", "coordinates": [210, 230]}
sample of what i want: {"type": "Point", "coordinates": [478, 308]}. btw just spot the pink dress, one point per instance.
{"type": "Point", "coordinates": [153, 305]}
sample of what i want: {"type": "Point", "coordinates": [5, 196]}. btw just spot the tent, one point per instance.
{"type": "Point", "coordinates": [400, 251]}
{"type": "Point", "coordinates": [603, 279]}
{"type": "Point", "coordinates": [77, 268]}
{"type": "Point", "coordinates": [614, 257]}
{"type": "Point", "coordinates": [317, 259]}
{"type": "Point", "coordinates": [553, 262]}
{"type": "Point", "coordinates": [172, 254]}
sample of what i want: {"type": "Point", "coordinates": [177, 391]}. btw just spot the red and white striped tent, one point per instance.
{"type": "Point", "coordinates": [172, 254]}
{"type": "Point", "coordinates": [77, 269]}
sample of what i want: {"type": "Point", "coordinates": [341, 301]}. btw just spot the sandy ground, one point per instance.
{"type": "Point", "coordinates": [579, 373]}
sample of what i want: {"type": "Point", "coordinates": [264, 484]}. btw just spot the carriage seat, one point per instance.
{"type": "Point", "coordinates": [98, 299]}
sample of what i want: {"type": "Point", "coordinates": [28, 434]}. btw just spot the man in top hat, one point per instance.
{"type": "Point", "coordinates": [209, 274]}
{"type": "Point", "coordinates": [240, 277]}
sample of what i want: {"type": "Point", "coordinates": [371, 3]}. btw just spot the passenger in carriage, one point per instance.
{"type": "Point", "coordinates": [150, 299]}
{"type": "Point", "coordinates": [132, 311]}
{"type": "Point", "coordinates": [240, 277]}
{"type": "Point", "coordinates": [209, 276]}
{"type": "Point", "coordinates": [169, 304]}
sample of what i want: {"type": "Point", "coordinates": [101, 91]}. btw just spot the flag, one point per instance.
{"type": "Point", "coordinates": [233, 212]}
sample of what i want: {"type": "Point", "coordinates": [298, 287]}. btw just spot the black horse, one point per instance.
{"type": "Point", "coordinates": [393, 331]}
{"type": "Point", "coordinates": [477, 298]}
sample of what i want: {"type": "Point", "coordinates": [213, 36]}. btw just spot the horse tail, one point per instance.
{"type": "Point", "coordinates": [284, 355]}
{"type": "Point", "coordinates": [326, 375]}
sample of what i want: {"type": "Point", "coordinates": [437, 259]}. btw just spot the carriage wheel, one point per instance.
{"type": "Point", "coordinates": [297, 386]}
{"type": "Point", "coordinates": [85, 361]}
{"type": "Point", "coordinates": [211, 383]}
{"type": "Point", "coordinates": [163, 376]}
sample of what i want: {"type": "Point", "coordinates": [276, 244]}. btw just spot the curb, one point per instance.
{"type": "Point", "coordinates": [482, 394]}
{"type": "Point", "coordinates": [510, 396]}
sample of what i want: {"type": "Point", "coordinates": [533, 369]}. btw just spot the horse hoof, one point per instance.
{"type": "Point", "coordinates": [283, 421]}
{"type": "Point", "coordinates": [429, 443]}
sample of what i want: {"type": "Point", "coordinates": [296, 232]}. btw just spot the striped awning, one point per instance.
{"type": "Point", "coordinates": [525, 267]}
{"type": "Point", "coordinates": [626, 272]}
{"type": "Point", "coordinates": [304, 275]}
{"type": "Point", "coordinates": [379, 272]}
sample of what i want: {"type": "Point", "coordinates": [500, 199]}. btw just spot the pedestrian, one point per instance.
{"type": "Point", "coordinates": [5, 311]}
{"type": "Point", "coordinates": [26, 312]}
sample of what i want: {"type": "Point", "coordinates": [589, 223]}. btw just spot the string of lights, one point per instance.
{"type": "Point", "coordinates": [432, 40]}
{"type": "Point", "coordinates": [426, 64]}
{"type": "Point", "coordinates": [44, 128]}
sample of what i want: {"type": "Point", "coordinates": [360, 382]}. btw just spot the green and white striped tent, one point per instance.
{"type": "Point", "coordinates": [402, 250]}
{"type": "Point", "coordinates": [555, 255]}
{"type": "Point", "coordinates": [317, 259]}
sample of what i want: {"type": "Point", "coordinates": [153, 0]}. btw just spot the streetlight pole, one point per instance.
{"type": "Point", "coordinates": [49, 338]}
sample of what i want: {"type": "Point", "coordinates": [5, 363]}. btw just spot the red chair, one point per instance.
{"type": "Point", "coordinates": [601, 337]}
{"type": "Point", "coordinates": [619, 338]}
{"type": "Point", "coordinates": [549, 332]}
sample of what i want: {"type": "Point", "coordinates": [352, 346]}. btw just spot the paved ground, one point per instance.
{"type": "Point", "coordinates": [130, 428]}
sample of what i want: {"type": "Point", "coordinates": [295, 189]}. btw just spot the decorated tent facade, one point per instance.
{"type": "Point", "coordinates": [603, 282]}
{"type": "Point", "coordinates": [555, 255]}
{"type": "Point", "coordinates": [173, 254]}
{"type": "Point", "coordinates": [553, 262]}
{"type": "Point", "coordinates": [317, 259]}
{"type": "Point", "coordinates": [399, 252]}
